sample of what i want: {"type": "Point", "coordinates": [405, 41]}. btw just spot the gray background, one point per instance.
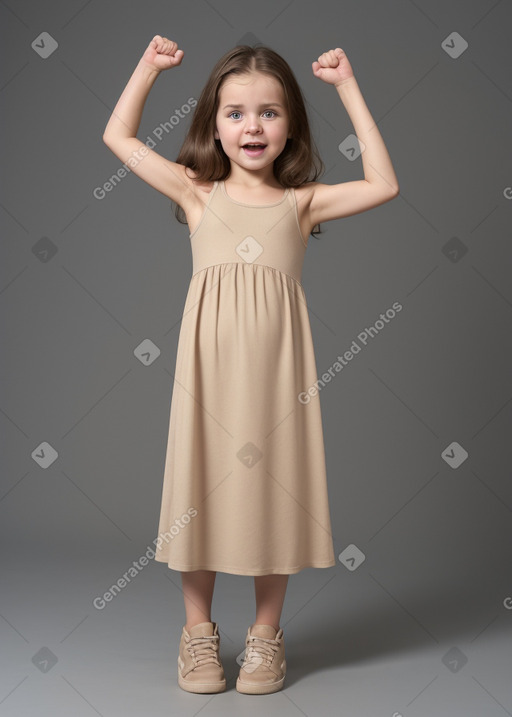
{"type": "Point", "coordinates": [85, 281]}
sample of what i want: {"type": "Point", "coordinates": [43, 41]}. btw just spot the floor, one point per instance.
{"type": "Point", "coordinates": [353, 647]}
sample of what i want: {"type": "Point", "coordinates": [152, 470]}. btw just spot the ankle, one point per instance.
{"type": "Point", "coordinates": [192, 624]}
{"type": "Point", "coordinates": [272, 624]}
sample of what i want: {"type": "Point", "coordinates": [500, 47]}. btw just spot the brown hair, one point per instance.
{"type": "Point", "coordinates": [298, 163]}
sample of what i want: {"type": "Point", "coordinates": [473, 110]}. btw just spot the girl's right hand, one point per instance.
{"type": "Point", "coordinates": [162, 54]}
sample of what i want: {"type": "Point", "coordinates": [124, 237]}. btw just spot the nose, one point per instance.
{"type": "Point", "coordinates": [253, 123]}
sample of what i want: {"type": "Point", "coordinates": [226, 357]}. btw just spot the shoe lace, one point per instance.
{"type": "Point", "coordinates": [204, 649]}
{"type": "Point", "coordinates": [259, 650]}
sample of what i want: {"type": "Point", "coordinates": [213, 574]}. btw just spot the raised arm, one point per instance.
{"type": "Point", "coordinates": [380, 184]}
{"type": "Point", "coordinates": [121, 130]}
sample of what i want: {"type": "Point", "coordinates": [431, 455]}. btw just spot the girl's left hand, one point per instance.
{"type": "Point", "coordinates": [333, 67]}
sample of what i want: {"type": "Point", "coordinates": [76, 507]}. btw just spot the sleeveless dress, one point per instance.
{"type": "Point", "coordinates": [244, 488]}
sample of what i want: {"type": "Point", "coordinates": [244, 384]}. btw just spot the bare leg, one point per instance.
{"type": "Point", "coordinates": [270, 591]}
{"type": "Point", "coordinates": [198, 593]}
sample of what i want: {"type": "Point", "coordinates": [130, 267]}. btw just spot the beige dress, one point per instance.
{"type": "Point", "coordinates": [244, 488]}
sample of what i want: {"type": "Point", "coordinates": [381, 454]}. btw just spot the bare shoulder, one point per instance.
{"type": "Point", "coordinates": [194, 201]}
{"type": "Point", "coordinates": [304, 195]}
{"type": "Point", "coordinates": [198, 188]}
{"type": "Point", "coordinates": [326, 202]}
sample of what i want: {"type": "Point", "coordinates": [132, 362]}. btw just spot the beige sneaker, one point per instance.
{"type": "Point", "coordinates": [199, 666]}
{"type": "Point", "coordinates": [264, 666]}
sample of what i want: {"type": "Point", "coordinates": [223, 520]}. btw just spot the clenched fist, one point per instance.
{"type": "Point", "coordinates": [162, 54]}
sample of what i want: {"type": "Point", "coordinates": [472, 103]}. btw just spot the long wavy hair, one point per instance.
{"type": "Point", "coordinates": [298, 163]}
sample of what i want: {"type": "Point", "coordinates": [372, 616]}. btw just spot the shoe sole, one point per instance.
{"type": "Point", "coordinates": [248, 688]}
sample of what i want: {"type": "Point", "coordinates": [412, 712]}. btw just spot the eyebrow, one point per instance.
{"type": "Point", "coordinates": [265, 104]}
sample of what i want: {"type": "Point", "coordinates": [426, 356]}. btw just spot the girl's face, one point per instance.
{"type": "Point", "coordinates": [259, 117]}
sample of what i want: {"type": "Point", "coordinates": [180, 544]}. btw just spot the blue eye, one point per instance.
{"type": "Point", "coordinates": [239, 113]}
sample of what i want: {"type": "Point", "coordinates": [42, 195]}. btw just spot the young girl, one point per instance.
{"type": "Point", "coordinates": [244, 489]}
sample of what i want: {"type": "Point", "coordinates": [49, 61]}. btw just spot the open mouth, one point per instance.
{"type": "Point", "coordinates": [254, 148]}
